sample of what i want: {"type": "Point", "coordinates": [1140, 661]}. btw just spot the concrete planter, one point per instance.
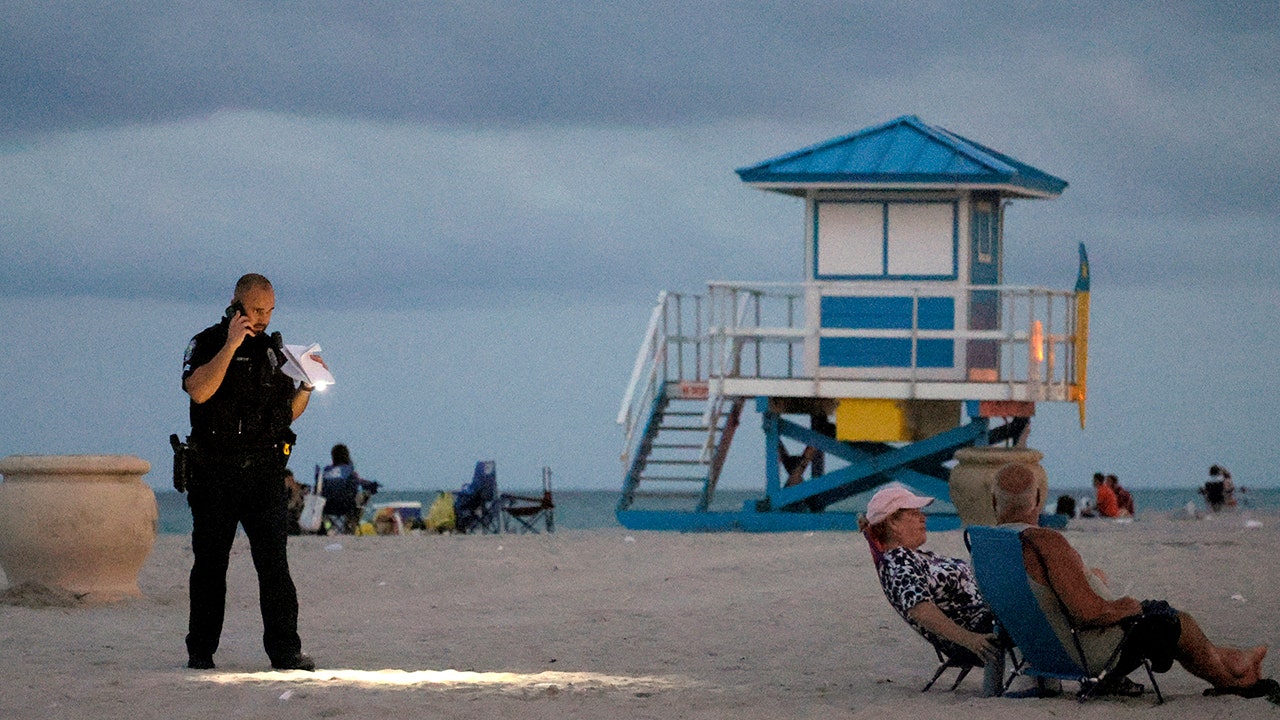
{"type": "Point", "coordinates": [81, 523]}
{"type": "Point", "coordinates": [975, 474]}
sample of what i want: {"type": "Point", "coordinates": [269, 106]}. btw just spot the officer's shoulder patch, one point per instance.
{"type": "Point", "coordinates": [186, 356]}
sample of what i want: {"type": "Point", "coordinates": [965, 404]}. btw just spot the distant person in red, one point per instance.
{"type": "Point", "coordinates": [1123, 498]}
{"type": "Point", "coordinates": [1104, 497]}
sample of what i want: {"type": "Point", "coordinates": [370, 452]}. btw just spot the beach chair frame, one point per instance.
{"type": "Point", "coordinates": [523, 513]}
{"type": "Point", "coordinates": [1002, 577]}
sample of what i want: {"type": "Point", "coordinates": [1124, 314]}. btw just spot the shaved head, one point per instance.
{"type": "Point", "coordinates": [1016, 493]}
{"type": "Point", "coordinates": [251, 281]}
{"type": "Point", "coordinates": [1016, 479]}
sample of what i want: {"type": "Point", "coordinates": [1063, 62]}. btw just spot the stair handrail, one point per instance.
{"type": "Point", "coordinates": [652, 350]}
{"type": "Point", "coordinates": [718, 371]}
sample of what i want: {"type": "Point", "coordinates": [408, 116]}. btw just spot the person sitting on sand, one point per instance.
{"type": "Point", "coordinates": [934, 593]}
{"type": "Point", "coordinates": [1214, 491]}
{"type": "Point", "coordinates": [345, 491]}
{"type": "Point", "coordinates": [1160, 633]}
{"type": "Point", "coordinates": [1124, 499]}
{"type": "Point", "coordinates": [1105, 498]}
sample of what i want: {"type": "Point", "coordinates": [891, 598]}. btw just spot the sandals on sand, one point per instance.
{"type": "Point", "coordinates": [1266, 687]}
{"type": "Point", "coordinates": [1124, 687]}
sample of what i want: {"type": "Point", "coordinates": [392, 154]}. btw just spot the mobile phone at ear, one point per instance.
{"type": "Point", "coordinates": [235, 308]}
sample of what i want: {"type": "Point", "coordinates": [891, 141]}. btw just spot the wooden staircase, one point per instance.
{"type": "Point", "coordinates": [683, 448]}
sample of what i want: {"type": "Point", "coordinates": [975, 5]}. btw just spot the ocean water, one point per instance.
{"type": "Point", "coordinates": [593, 509]}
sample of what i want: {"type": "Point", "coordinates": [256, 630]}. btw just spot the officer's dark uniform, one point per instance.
{"type": "Point", "coordinates": [240, 439]}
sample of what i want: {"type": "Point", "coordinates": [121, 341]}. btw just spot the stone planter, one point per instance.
{"type": "Point", "coordinates": [81, 523]}
{"type": "Point", "coordinates": [975, 473]}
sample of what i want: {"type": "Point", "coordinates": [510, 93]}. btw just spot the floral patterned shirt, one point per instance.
{"type": "Point", "coordinates": [910, 577]}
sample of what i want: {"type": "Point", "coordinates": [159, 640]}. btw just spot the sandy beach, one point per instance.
{"type": "Point", "coordinates": [601, 624]}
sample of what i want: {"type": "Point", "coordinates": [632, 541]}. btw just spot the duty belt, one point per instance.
{"type": "Point", "coordinates": [234, 443]}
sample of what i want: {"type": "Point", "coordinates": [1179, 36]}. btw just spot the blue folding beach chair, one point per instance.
{"type": "Point", "coordinates": [475, 506]}
{"type": "Point", "coordinates": [1002, 577]}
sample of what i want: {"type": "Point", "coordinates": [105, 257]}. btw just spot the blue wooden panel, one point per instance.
{"type": "Point", "coordinates": [937, 313]}
{"type": "Point", "coordinates": [887, 313]}
{"type": "Point", "coordinates": [867, 313]}
{"type": "Point", "coordinates": [885, 352]}
{"type": "Point", "coordinates": [936, 353]}
{"type": "Point", "coordinates": [865, 352]}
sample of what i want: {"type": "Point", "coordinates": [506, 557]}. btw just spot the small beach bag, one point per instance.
{"type": "Point", "coordinates": [312, 517]}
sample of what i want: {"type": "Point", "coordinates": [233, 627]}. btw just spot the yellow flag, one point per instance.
{"type": "Point", "coordinates": [1082, 334]}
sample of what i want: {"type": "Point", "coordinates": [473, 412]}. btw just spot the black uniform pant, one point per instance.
{"type": "Point", "coordinates": [241, 489]}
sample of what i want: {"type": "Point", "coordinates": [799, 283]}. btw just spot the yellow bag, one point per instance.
{"type": "Point", "coordinates": [440, 517]}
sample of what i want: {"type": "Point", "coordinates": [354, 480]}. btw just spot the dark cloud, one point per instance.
{"type": "Point", "coordinates": [157, 148]}
{"type": "Point", "coordinates": [69, 65]}
{"type": "Point", "coordinates": [84, 64]}
{"type": "Point", "coordinates": [352, 214]}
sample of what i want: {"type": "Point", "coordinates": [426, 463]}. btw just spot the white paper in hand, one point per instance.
{"type": "Point", "coordinates": [300, 366]}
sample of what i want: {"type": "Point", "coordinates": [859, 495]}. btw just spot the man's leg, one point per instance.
{"type": "Point", "coordinates": [1224, 667]}
{"type": "Point", "coordinates": [266, 525]}
{"type": "Point", "coordinates": [213, 530]}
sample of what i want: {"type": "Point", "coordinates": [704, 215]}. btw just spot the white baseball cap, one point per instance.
{"type": "Point", "coordinates": [892, 499]}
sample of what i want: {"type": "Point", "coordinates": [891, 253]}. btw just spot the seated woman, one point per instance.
{"type": "Point", "coordinates": [344, 490]}
{"type": "Point", "coordinates": [937, 595]}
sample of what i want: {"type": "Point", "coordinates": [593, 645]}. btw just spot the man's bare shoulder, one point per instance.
{"type": "Point", "coordinates": [1049, 542]}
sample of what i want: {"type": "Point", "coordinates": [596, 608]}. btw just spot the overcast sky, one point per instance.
{"type": "Point", "coordinates": [473, 205]}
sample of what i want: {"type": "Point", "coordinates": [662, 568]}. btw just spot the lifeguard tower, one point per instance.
{"type": "Point", "coordinates": [901, 346]}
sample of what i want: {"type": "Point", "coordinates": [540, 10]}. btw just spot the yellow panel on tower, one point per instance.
{"type": "Point", "coordinates": [878, 420]}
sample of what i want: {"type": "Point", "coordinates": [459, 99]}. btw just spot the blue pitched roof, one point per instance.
{"type": "Point", "coordinates": [905, 152]}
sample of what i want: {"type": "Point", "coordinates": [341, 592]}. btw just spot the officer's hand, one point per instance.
{"type": "Point", "coordinates": [238, 329]}
{"type": "Point", "coordinates": [317, 358]}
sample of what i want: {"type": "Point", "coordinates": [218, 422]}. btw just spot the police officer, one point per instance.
{"type": "Point", "coordinates": [242, 405]}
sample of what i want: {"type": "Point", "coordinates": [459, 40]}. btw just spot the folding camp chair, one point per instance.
{"type": "Point", "coordinates": [344, 498]}
{"type": "Point", "coordinates": [1002, 577]}
{"type": "Point", "coordinates": [948, 656]}
{"type": "Point", "coordinates": [475, 506]}
{"type": "Point", "coordinates": [522, 513]}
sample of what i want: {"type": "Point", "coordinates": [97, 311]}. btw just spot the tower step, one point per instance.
{"type": "Point", "coordinates": [661, 461]}
{"type": "Point", "coordinates": [659, 494]}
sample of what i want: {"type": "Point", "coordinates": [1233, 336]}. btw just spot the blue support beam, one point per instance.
{"type": "Point", "coordinates": [866, 469]}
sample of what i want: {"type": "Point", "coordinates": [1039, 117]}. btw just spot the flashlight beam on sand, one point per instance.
{"type": "Point", "coordinates": [453, 679]}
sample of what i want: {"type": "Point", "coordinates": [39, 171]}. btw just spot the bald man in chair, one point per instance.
{"type": "Point", "coordinates": [1161, 633]}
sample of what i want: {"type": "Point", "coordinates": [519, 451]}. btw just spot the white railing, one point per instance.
{"type": "Point", "coordinates": [773, 331]}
